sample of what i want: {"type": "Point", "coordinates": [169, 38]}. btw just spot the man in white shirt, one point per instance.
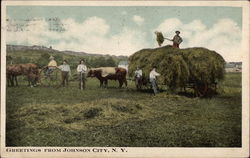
{"type": "Point", "coordinates": [138, 78]}
{"type": "Point", "coordinates": [65, 69]}
{"type": "Point", "coordinates": [82, 70]}
{"type": "Point", "coordinates": [152, 79]}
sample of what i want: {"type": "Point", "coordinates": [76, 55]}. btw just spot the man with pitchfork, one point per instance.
{"type": "Point", "coordinates": [82, 70]}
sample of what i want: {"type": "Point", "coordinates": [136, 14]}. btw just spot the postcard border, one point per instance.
{"type": "Point", "coordinates": [142, 152]}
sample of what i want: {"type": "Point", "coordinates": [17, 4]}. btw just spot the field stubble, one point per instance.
{"type": "Point", "coordinates": [67, 116]}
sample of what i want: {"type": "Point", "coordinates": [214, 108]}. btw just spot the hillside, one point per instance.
{"type": "Point", "coordinates": [39, 54]}
{"type": "Point", "coordinates": [13, 48]}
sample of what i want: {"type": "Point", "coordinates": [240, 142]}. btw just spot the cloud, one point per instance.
{"type": "Point", "coordinates": [124, 13]}
{"type": "Point", "coordinates": [93, 35]}
{"type": "Point", "coordinates": [138, 19]}
{"type": "Point", "coordinates": [91, 28]}
{"type": "Point", "coordinates": [34, 32]}
{"type": "Point", "coordinates": [224, 36]}
{"type": "Point", "coordinates": [129, 40]}
{"type": "Point", "coordinates": [125, 42]}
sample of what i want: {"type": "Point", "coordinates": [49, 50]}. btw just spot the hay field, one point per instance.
{"type": "Point", "coordinates": [46, 116]}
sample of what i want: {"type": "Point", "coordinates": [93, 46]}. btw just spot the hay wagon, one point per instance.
{"type": "Point", "coordinates": [202, 89]}
{"type": "Point", "coordinates": [197, 68]}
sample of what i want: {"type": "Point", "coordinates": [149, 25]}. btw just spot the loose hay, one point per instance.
{"type": "Point", "coordinates": [159, 37]}
{"type": "Point", "coordinates": [179, 67]}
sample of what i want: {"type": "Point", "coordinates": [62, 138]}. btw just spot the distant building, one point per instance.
{"type": "Point", "coordinates": [37, 47]}
{"type": "Point", "coordinates": [123, 64]}
{"type": "Point", "coordinates": [233, 67]}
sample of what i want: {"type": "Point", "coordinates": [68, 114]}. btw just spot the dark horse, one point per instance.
{"type": "Point", "coordinates": [109, 73]}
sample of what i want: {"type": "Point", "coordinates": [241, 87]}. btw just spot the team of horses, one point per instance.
{"type": "Point", "coordinates": [31, 71]}
{"type": "Point", "coordinates": [33, 74]}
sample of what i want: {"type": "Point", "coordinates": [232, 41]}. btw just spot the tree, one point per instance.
{"type": "Point", "coordinates": [58, 58]}
{"type": "Point", "coordinates": [21, 60]}
{"type": "Point", "coordinates": [9, 59]}
{"type": "Point", "coordinates": [110, 62]}
{"type": "Point", "coordinates": [43, 60]}
{"type": "Point", "coordinates": [99, 61]}
{"type": "Point", "coordinates": [45, 55]}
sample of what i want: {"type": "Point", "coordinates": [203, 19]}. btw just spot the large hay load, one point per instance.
{"type": "Point", "coordinates": [198, 68]}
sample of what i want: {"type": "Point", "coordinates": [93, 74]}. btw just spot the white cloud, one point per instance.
{"type": "Point", "coordinates": [124, 13]}
{"type": "Point", "coordinates": [92, 36]}
{"type": "Point", "coordinates": [138, 19]}
{"type": "Point", "coordinates": [129, 40]}
{"type": "Point", "coordinates": [169, 25]}
{"type": "Point", "coordinates": [91, 27]}
{"type": "Point", "coordinates": [224, 36]}
{"type": "Point", "coordinates": [34, 32]}
{"type": "Point", "coordinates": [126, 42]}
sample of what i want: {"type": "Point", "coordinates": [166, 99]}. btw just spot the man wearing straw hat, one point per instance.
{"type": "Point", "coordinates": [51, 65]}
{"type": "Point", "coordinates": [65, 69]}
{"type": "Point", "coordinates": [176, 40]}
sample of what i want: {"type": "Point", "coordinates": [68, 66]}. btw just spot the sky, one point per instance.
{"type": "Point", "coordinates": [123, 30]}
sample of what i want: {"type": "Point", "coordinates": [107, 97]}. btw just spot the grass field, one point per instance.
{"type": "Point", "coordinates": [67, 116]}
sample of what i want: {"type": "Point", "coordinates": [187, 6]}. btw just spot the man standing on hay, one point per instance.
{"type": "Point", "coordinates": [152, 79]}
{"type": "Point", "coordinates": [176, 40]}
{"type": "Point", "coordinates": [82, 70]}
{"type": "Point", "coordinates": [65, 73]}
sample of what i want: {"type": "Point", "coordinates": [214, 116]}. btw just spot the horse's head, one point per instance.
{"type": "Point", "coordinates": [90, 73]}
{"type": "Point", "coordinates": [93, 72]}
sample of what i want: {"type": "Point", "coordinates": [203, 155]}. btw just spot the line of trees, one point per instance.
{"type": "Point", "coordinates": [91, 61]}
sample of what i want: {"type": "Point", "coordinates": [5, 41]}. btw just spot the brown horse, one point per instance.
{"type": "Point", "coordinates": [109, 73]}
{"type": "Point", "coordinates": [29, 70]}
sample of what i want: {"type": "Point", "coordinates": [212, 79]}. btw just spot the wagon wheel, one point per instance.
{"type": "Point", "coordinates": [53, 79]}
{"type": "Point", "coordinates": [201, 90]}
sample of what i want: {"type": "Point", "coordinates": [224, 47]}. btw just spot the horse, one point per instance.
{"type": "Point", "coordinates": [103, 74]}
{"type": "Point", "coordinates": [30, 70]}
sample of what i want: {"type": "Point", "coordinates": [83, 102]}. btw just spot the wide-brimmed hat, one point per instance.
{"type": "Point", "coordinates": [157, 32]}
{"type": "Point", "coordinates": [177, 32]}
{"type": "Point", "coordinates": [51, 57]}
